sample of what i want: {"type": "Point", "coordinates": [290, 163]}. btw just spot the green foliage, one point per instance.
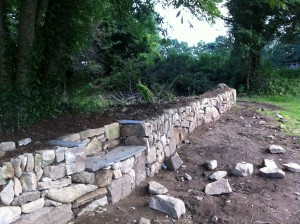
{"type": "Point", "coordinates": [145, 92]}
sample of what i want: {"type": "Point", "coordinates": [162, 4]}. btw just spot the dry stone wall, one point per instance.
{"type": "Point", "coordinates": [98, 166]}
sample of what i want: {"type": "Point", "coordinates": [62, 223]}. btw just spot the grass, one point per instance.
{"type": "Point", "coordinates": [289, 109]}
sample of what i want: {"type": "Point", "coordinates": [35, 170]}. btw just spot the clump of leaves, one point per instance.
{"type": "Point", "coordinates": [145, 92]}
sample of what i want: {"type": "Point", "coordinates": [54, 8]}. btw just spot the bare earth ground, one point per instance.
{"type": "Point", "coordinates": [230, 140]}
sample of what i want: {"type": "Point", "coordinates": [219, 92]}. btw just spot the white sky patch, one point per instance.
{"type": "Point", "coordinates": [201, 31]}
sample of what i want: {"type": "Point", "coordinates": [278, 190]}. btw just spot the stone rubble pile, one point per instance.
{"type": "Point", "coordinates": [96, 166]}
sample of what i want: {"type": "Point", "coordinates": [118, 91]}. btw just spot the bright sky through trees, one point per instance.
{"type": "Point", "coordinates": [201, 30]}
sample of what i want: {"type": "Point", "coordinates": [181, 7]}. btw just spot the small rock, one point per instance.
{"type": "Point", "coordinates": [144, 221]}
{"type": "Point", "coordinates": [262, 122]}
{"type": "Point", "coordinates": [217, 175]}
{"type": "Point", "coordinates": [199, 198]}
{"type": "Point", "coordinates": [271, 137]}
{"type": "Point", "coordinates": [26, 197]}
{"type": "Point", "coordinates": [157, 188]}
{"type": "Point", "coordinates": [242, 118]}
{"type": "Point", "coordinates": [243, 169]}
{"type": "Point", "coordinates": [17, 187]}
{"type": "Point", "coordinates": [270, 163]}
{"type": "Point", "coordinates": [294, 167]}
{"type": "Point", "coordinates": [218, 187]}
{"type": "Point", "coordinates": [174, 207]}
{"type": "Point", "coordinates": [94, 205]}
{"type": "Point", "coordinates": [188, 177]}
{"type": "Point", "coordinates": [212, 164]}
{"type": "Point", "coordinates": [7, 194]}
{"type": "Point", "coordinates": [279, 116]}
{"type": "Point", "coordinates": [215, 219]}
{"type": "Point", "coordinates": [174, 162]}
{"type": "Point", "coordinates": [9, 214]}
{"type": "Point", "coordinates": [272, 173]}
{"type": "Point", "coordinates": [84, 177]}
{"type": "Point", "coordinates": [33, 206]}
{"type": "Point", "coordinates": [247, 125]}
{"type": "Point", "coordinates": [49, 202]}
{"type": "Point", "coordinates": [24, 141]}
{"type": "Point", "coordinates": [276, 149]}
{"type": "Point", "coordinates": [7, 146]}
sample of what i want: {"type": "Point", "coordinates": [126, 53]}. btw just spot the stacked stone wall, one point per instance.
{"type": "Point", "coordinates": [55, 182]}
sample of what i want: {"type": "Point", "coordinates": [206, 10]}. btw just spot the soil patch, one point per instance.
{"type": "Point", "coordinates": [236, 137]}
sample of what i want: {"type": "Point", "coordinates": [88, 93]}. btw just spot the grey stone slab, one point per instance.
{"type": "Point", "coordinates": [117, 154]}
{"type": "Point", "coordinates": [130, 122]}
{"type": "Point", "coordinates": [66, 143]}
{"type": "Point", "coordinates": [174, 162]}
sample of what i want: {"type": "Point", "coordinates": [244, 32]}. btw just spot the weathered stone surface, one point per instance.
{"type": "Point", "coordinates": [70, 193]}
{"type": "Point", "coordinates": [119, 189]}
{"type": "Point", "coordinates": [91, 133]}
{"type": "Point", "coordinates": [23, 159]}
{"type": "Point", "coordinates": [211, 164]}
{"type": "Point", "coordinates": [24, 141]}
{"type": "Point", "coordinates": [93, 147]}
{"type": "Point", "coordinates": [156, 188]}
{"type": "Point", "coordinates": [127, 165]}
{"type": "Point", "coordinates": [174, 207]}
{"type": "Point", "coordinates": [16, 162]}
{"type": "Point", "coordinates": [83, 178]}
{"type": "Point", "coordinates": [17, 187]}
{"type": "Point", "coordinates": [117, 165]}
{"type": "Point", "coordinates": [144, 221]}
{"type": "Point", "coordinates": [48, 215]}
{"type": "Point", "coordinates": [270, 163]}
{"type": "Point", "coordinates": [132, 130]}
{"type": "Point", "coordinates": [37, 162]}
{"type": "Point", "coordinates": [140, 169]}
{"type": "Point", "coordinates": [134, 140]}
{"type": "Point", "coordinates": [272, 173]}
{"type": "Point", "coordinates": [294, 167]}
{"type": "Point", "coordinates": [276, 149]}
{"type": "Point", "coordinates": [59, 153]}
{"type": "Point", "coordinates": [30, 162]}
{"type": "Point", "coordinates": [26, 197]}
{"type": "Point", "coordinates": [99, 193]}
{"type": "Point", "coordinates": [75, 160]}
{"type": "Point", "coordinates": [7, 146]}
{"type": "Point", "coordinates": [187, 177]}
{"type": "Point", "coordinates": [150, 155]}
{"type": "Point", "coordinates": [131, 173]}
{"type": "Point", "coordinates": [103, 178]}
{"type": "Point", "coordinates": [33, 206]}
{"type": "Point", "coordinates": [117, 174]}
{"type": "Point", "coordinates": [174, 162]}
{"type": "Point", "coordinates": [71, 137]}
{"type": "Point", "coordinates": [28, 181]}
{"type": "Point", "coordinates": [8, 170]}
{"type": "Point", "coordinates": [48, 157]}
{"type": "Point", "coordinates": [112, 131]}
{"type": "Point", "coordinates": [7, 194]}
{"type": "Point", "coordinates": [93, 205]}
{"type": "Point", "coordinates": [55, 172]}
{"type": "Point", "coordinates": [152, 169]}
{"type": "Point", "coordinates": [243, 169]}
{"type": "Point", "coordinates": [49, 202]}
{"type": "Point", "coordinates": [218, 187]}
{"type": "Point", "coordinates": [9, 214]}
{"type": "Point", "coordinates": [217, 175]}
{"type": "Point", "coordinates": [54, 184]}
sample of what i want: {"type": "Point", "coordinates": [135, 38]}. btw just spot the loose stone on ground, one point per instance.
{"type": "Point", "coordinates": [243, 169]}
{"type": "Point", "coordinates": [211, 165]}
{"type": "Point", "coordinates": [157, 188]}
{"type": "Point", "coordinates": [218, 187]}
{"type": "Point", "coordinates": [217, 175]}
{"type": "Point", "coordinates": [294, 167]}
{"type": "Point", "coordinates": [276, 149]}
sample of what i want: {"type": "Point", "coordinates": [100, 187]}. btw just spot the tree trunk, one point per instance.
{"type": "Point", "coordinates": [5, 78]}
{"type": "Point", "coordinates": [26, 39]}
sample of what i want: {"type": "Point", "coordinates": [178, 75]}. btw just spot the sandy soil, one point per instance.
{"type": "Point", "coordinates": [236, 137]}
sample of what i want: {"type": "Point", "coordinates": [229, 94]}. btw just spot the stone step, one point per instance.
{"type": "Point", "coordinates": [115, 155]}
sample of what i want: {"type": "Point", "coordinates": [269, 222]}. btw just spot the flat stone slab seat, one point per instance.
{"type": "Point", "coordinates": [117, 154]}
{"type": "Point", "coordinates": [66, 143]}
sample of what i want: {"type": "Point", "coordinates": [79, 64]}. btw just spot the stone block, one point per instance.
{"type": "Point", "coordinates": [48, 157]}
{"type": "Point", "coordinates": [26, 197]}
{"type": "Point", "coordinates": [140, 169]}
{"type": "Point", "coordinates": [7, 146]}
{"type": "Point", "coordinates": [9, 214]}
{"type": "Point", "coordinates": [134, 140]}
{"type": "Point", "coordinates": [174, 162]}
{"type": "Point", "coordinates": [117, 174]}
{"type": "Point", "coordinates": [37, 162]}
{"type": "Point", "coordinates": [33, 206]}
{"type": "Point", "coordinates": [83, 178]}
{"type": "Point", "coordinates": [156, 188]}
{"type": "Point", "coordinates": [55, 172]}
{"type": "Point", "coordinates": [276, 149]}
{"type": "Point", "coordinates": [112, 131]}
{"type": "Point", "coordinates": [7, 194]}
{"type": "Point", "coordinates": [127, 165]}
{"type": "Point", "coordinates": [150, 155]}
{"type": "Point", "coordinates": [48, 215]}
{"type": "Point", "coordinates": [173, 207]}
{"type": "Point", "coordinates": [91, 133]}
{"type": "Point", "coordinates": [75, 167]}
{"type": "Point", "coordinates": [70, 137]}
{"type": "Point", "coordinates": [70, 193]}
{"type": "Point", "coordinates": [218, 187]}
{"type": "Point", "coordinates": [243, 169]}
{"type": "Point", "coordinates": [60, 153]}
{"type": "Point", "coordinates": [93, 147]}
{"type": "Point", "coordinates": [132, 130]}
{"type": "Point", "coordinates": [94, 195]}
{"type": "Point", "coordinates": [54, 184]}
{"type": "Point", "coordinates": [75, 160]}
{"type": "Point", "coordinates": [211, 164]}
{"type": "Point", "coordinates": [103, 178]}
{"type": "Point", "coordinates": [28, 181]}
{"type": "Point", "coordinates": [113, 143]}
{"type": "Point", "coordinates": [17, 187]}
{"type": "Point", "coordinates": [119, 189]}
{"type": "Point", "coordinates": [8, 170]}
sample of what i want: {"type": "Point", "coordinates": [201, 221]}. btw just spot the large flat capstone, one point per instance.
{"type": "Point", "coordinates": [119, 153]}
